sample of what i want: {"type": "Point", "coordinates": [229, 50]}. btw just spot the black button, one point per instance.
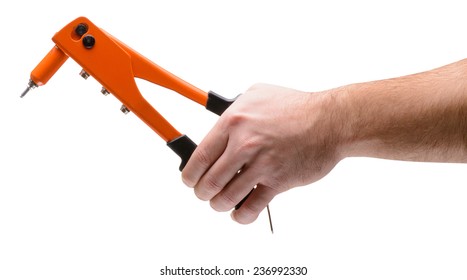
{"type": "Point", "coordinates": [89, 41]}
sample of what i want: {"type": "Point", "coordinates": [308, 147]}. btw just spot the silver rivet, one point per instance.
{"type": "Point", "coordinates": [104, 91]}
{"type": "Point", "coordinates": [84, 74]}
{"type": "Point", "coordinates": [124, 109]}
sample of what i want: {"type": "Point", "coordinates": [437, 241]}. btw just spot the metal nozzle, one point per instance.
{"type": "Point", "coordinates": [31, 85]}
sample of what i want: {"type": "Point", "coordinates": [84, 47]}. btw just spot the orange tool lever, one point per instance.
{"type": "Point", "coordinates": [115, 66]}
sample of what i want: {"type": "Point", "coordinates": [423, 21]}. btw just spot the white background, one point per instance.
{"type": "Point", "coordinates": [89, 193]}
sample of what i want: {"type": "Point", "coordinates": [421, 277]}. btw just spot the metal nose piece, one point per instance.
{"type": "Point", "coordinates": [31, 85]}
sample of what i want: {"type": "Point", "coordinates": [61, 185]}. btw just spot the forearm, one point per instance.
{"type": "Point", "coordinates": [420, 117]}
{"type": "Point", "coordinates": [282, 138]}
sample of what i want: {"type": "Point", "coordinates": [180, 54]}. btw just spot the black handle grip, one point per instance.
{"type": "Point", "coordinates": [217, 103]}
{"type": "Point", "coordinates": [184, 147]}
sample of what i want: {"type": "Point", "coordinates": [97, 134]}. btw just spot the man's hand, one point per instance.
{"type": "Point", "coordinates": [277, 138]}
{"type": "Point", "coordinates": [272, 137]}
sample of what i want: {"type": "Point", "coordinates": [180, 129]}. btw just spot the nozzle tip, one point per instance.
{"type": "Point", "coordinates": [25, 92]}
{"type": "Point", "coordinates": [31, 85]}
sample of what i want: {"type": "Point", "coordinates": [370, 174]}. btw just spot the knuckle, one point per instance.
{"type": "Point", "coordinates": [222, 202]}
{"type": "Point", "coordinates": [247, 214]}
{"type": "Point", "coordinates": [213, 185]}
{"type": "Point", "coordinates": [250, 144]}
{"type": "Point", "coordinates": [208, 188]}
{"type": "Point", "coordinates": [257, 86]}
{"type": "Point", "coordinates": [249, 147]}
{"type": "Point", "coordinates": [235, 119]}
{"type": "Point", "coordinates": [202, 157]}
{"type": "Point", "coordinates": [251, 209]}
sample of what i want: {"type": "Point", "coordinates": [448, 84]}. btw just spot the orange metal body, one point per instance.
{"type": "Point", "coordinates": [115, 66]}
{"type": "Point", "coordinates": [48, 66]}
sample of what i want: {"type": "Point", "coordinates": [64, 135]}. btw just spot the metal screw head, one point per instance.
{"type": "Point", "coordinates": [104, 91]}
{"type": "Point", "coordinates": [81, 29]}
{"type": "Point", "coordinates": [89, 41]}
{"type": "Point", "coordinates": [124, 109]}
{"type": "Point", "coordinates": [84, 74]}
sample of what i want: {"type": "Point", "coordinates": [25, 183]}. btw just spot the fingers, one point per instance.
{"type": "Point", "coordinates": [202, 159]}
{"type": "Point", "coordinates": [219, 175]}
{"type": "Point", "coordinates": [255, 203]}
{"type": "Point", "coordinates": [238, 141]}
{"type": "Point", "coordinates": [215, 176]}
{"type": "Point", "coordinates": [237, 189]}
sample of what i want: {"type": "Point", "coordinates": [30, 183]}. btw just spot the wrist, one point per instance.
{"type": "Point", "coordinates": [342, 115]}
{"type": "Point", "coordinates": [329, 122]}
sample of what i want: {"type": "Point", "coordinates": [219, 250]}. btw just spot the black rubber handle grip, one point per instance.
{"type": "Point", "coordinates": [218, 104]}
{"type": "Point", "coordinates": [184, 147]}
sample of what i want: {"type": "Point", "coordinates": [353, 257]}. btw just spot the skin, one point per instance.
{"type": "Point", "coordinates": [278, 138]}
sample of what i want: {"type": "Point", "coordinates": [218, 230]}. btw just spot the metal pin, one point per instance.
{"type": "Point", "coordinates": [267, 207]}
{"type": "Point", "coordinates": [104, 91]}
{"type": "Point", "coordinates": [124, 109]}
{"type": "Point", "coordinates": [31, 85]}
{"type": "Point", "coordinates": [84, 74]}
{"type": "Point", "coordinates": [270, 220]}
